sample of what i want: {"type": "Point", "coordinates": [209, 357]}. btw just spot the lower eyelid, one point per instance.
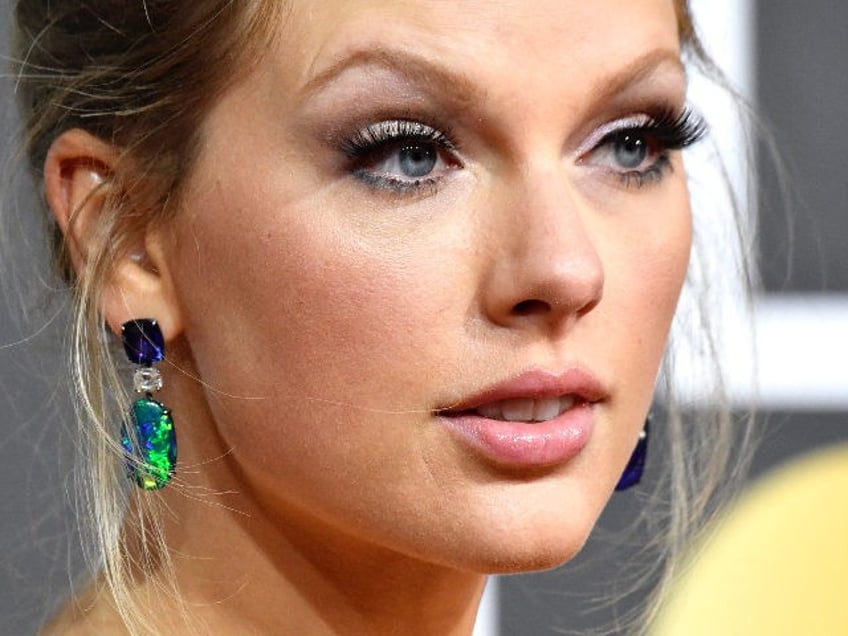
{"type": "Point", "coordinates": [655, 173]}
{"type": "Point", "coordinates": [392, 185]}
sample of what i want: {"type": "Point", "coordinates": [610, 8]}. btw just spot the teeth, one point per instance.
{"type": "Point", "coordinates": [566, 403]}
{"type": "Point", "coordinates": [494, 410]}
{"type": "Point", "coordinates": [527, 410]}
{"type": "Point", "coordinates": [544, 410]}
{"type": "Point", "coordinates": [517, 410]}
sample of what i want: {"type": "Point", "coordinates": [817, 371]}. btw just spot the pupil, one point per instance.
{"type": "Point", "coordinates": [417, 160]}
{"type": "Point", "coordinates": [630, 151]}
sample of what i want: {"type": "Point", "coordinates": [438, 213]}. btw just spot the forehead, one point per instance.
{"type": "Point", "coordinates": [569, 37]}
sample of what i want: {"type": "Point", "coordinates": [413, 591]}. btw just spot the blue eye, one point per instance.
{"type": "Point", "coordinates": [638, 149]}
{"type": "Point", "coordinates": [417, 160]}
{"type": "Point", "coordinates": [630, 150]}
{"type": "Point", "coordinates": [411, 160]}
{"type": "Point", "coordinates": [400, 155]}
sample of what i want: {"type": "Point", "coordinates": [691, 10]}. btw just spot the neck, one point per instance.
{"type": "Point", "coordinates": [254, 574]}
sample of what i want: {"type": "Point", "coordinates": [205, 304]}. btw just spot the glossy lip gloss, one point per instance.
{"type": "Point", "coordinates": [519, 444]}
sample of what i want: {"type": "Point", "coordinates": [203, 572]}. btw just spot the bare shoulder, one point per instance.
{"type": "Point", "coordinates": [91, 613]}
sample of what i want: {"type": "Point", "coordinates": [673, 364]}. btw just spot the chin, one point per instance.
{"type": "Point", "coordinates": [530, 561]}
{"type": "Point", "coordinates": [531, 556]}
{"type": "Point", "coordinates": [524, 544]}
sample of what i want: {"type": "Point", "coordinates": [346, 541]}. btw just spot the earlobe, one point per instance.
{"type": "Point", "coordinates": [80, 177]}
{"type": "Point", "coordinates": [141, 287]}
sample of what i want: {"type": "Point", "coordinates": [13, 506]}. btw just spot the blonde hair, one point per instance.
{"type": "Point", "coordinates": [131, 74]}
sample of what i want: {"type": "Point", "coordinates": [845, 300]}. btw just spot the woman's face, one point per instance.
{"type": "Point", "coordinates": [414, 228]}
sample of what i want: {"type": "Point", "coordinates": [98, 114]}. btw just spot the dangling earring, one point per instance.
{"type": "Point", "coordinates": [636, 465]}
{"type": "Point", "coordinates": [151, 442]}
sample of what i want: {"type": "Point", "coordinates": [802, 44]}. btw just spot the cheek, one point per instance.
{"type": "Point", "coordinates": [645, 254]}
{"type": "Point", "coordinates": [660, 270]}
{"type": "Point", "coordinates": [287, 331]}
{"type": "Point", "coordinates": [650, 262]}
{"type": "Point", "coordinates": [322, 329]}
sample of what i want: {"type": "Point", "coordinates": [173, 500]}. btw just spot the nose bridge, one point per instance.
{"type": "Point", "coordinates": [549, 270]}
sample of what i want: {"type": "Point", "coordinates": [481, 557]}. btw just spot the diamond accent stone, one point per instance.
{"type": "Point", "coordinates": [147, 380]}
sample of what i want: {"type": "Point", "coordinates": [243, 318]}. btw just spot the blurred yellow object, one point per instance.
{"type": "Point", "coordinates": [776, 563]}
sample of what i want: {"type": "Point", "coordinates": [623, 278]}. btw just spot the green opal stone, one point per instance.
{"type": "Point", "coordinates": [150, 443]}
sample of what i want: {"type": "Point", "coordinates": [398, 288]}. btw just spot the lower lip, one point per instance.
{"type": "Point", "coordinates": [525, 444]}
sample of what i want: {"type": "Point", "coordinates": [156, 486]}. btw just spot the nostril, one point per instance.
{"type": "Point", "coordinates": [530, 307]}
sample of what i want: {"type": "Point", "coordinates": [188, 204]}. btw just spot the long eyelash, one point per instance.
{"type": "Point", "coordinates": [675, 130]}
{"type": "Point", "coordinates": [374, 136]}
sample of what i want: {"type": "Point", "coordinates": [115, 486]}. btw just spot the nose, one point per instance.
{"type": "Point", "coordinates": [545, 271]}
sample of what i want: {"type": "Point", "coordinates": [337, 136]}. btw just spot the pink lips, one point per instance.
{"type": "Point", "coordinates": [520, 444]}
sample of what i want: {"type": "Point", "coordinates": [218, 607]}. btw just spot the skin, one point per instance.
{"type": "Point", "coordinates": [315, 322]}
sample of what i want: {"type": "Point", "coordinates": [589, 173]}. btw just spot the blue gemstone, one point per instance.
{"type": "Point", "coordinates": [151, 448]}
{"type": "Point", "coordinates": [143, 341]}
{"type": "Point", "coordinates": [632, 474]}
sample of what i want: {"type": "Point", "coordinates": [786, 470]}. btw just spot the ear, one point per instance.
{"type": "Point", "coordinates": [80, 177]}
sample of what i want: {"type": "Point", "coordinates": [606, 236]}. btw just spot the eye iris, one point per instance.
{"type": "Point", "coordinates": [417, 160]}
{"type": "Point", "coordinates": [630, 150]}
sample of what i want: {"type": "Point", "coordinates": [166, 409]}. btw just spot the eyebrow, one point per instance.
{"type": "Point", "coordinates": [419, 69]}
{"type": "Point", "coordinates": [424, 71]}
{"type": "Point", "coordinates": [638, 71]}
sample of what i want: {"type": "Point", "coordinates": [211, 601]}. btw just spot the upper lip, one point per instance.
{"type": "Point", "coordinates": [536, 384]}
